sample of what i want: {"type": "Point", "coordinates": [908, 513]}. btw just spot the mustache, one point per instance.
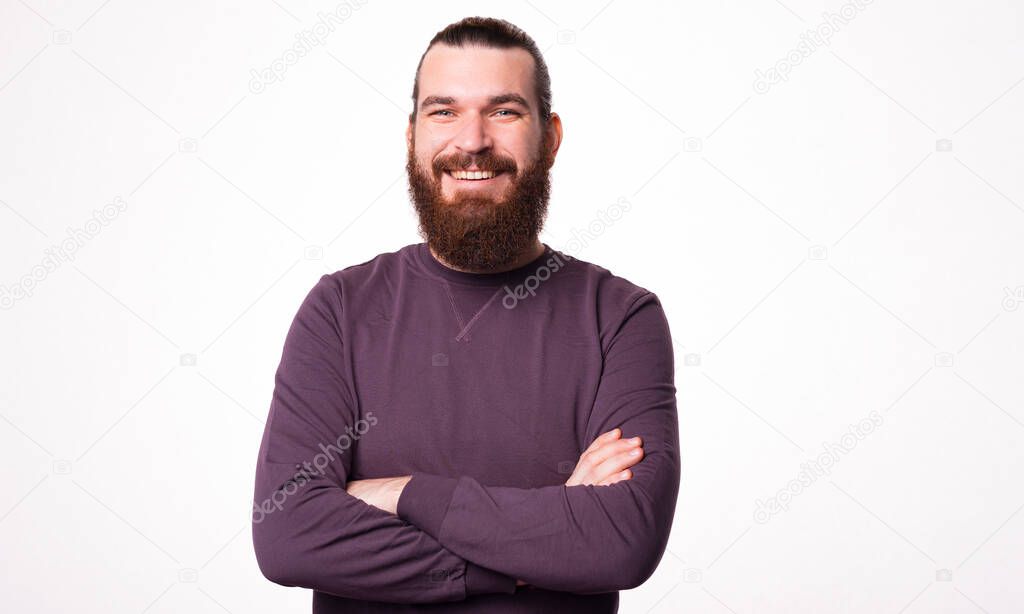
{"type": "Point", "coordinates": [459, 162]}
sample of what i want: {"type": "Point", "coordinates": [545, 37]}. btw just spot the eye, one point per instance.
{"type": "Point", "coordinates": [441, 111]}
{"type": "Point", "coordinates": [513, 113]}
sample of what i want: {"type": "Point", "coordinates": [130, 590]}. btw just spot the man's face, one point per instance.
{"type": "Point", "coordinates": [479, 155]}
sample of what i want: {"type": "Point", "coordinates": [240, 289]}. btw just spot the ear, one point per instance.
{"type": "Point", "coordinates": [408, 135]}
{"type": "Point", "coordinates": [554, 129]}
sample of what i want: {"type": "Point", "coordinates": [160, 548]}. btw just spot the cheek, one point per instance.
{"type": "Point", "coordinates": [424, 159]}
{"type": "Point", "coordinates": [430, 142]}
{"type": "Point", "coordinates": [522, 149]}
{"type": "Point", "coordinates": [428, 150]}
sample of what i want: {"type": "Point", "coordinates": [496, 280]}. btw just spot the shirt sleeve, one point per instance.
{"type": "Point", "coordinates": [307, 530]}
{"type": "Point", "coordinates": [582, 539]}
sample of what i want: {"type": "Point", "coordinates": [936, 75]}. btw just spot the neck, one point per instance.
{"type": "Point", "coordinates": [528, 255]}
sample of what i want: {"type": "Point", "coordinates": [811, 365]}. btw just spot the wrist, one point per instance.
{"type": "Point", "coordinates": [395, 488]}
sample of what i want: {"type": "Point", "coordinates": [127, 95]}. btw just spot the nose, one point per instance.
{"type": "Point", "coordinates": [473, 136]}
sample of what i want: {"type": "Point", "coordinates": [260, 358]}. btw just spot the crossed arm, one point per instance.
{"type": "Point", "coordinates": [606, 461]}
{"type": "Point", "coordinates": [448, 538]}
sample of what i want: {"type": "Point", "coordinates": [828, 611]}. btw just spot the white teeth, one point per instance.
{"type": "Point", "coordinates": [472, 175]}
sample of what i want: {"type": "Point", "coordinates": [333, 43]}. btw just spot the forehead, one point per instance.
{"type": "Point", "coordinates": [476, 72]}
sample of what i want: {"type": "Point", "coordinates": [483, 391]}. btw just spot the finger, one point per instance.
{"type": "Point", "coordinates": [618, 477]}
{"type": "Point", "coordinates": [578, 471]}
{"type": "Point", "coordinates": [592, 459]}
{"type": "Point", "coordinates": [598, 465]}
{"type": "Point", "coordinates": [616, 463]}
{"type": "Point", "coordinates": [604, 438]}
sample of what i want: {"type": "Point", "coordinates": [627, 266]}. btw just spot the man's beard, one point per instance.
{"type": "Point", "coordinates": [481, 233]}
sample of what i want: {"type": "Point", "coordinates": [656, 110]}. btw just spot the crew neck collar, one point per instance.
{"type": "Point", "coordinates": [435, 267]}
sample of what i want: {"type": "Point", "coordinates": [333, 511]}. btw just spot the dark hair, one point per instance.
{"type": "Point", "coordinates": [499, 34]}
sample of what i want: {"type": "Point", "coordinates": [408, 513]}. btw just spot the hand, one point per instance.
{"type": "Point", "coordinates": [607, 460]}
{"type": "Point", "coordinates": [382, 493]}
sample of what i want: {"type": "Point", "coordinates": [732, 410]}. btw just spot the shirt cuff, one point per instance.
{"type": "Point", "coordinates": [481, 580]}
{"type": "Point", "coordinates": [424, 502]}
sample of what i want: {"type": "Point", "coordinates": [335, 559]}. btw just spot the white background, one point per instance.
{"type": "Point", "coordinates": [820, 258]}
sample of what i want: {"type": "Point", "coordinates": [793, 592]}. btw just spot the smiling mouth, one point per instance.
{"type": "Point", "coordinates": [473, 175]}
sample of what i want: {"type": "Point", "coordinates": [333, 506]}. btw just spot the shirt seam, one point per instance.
{"type": "Point", "coordinates": [472, 321]}
{"type": "Point", "coordinates": [626, 314]}
{"type": "Point", "coordinates": [455, 308]}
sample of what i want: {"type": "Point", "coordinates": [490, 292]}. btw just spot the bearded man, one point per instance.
{"type": "Point", "coordinates": [433, 448]}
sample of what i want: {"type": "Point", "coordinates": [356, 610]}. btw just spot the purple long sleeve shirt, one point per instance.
{"type": "Point", "coordinates": [485, 388]}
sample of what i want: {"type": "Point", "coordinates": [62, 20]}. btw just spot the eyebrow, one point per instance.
{"type": "Point", "coordinates": [493, 100]}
